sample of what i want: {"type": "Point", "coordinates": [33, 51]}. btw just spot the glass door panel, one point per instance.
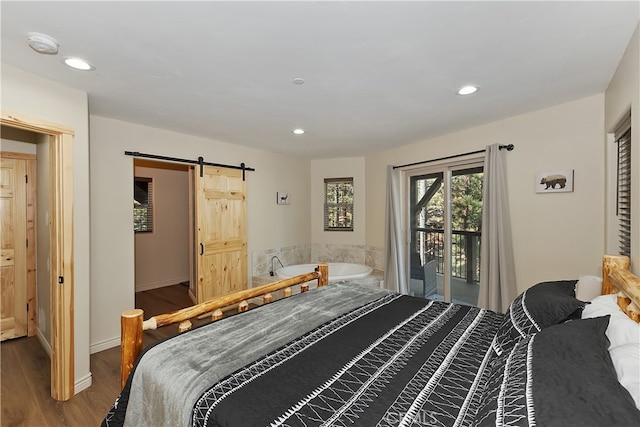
{"type": "Point", "coordinates": [445, 223]}
{"type": "Point", "coordinates": [466, 226]}
{"type": "Point", "coordinates": [426, 249]}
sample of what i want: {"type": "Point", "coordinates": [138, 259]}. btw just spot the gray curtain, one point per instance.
{"type": "Point", "coordinates": [497, 272]}
{"type": "Point", "coordinates": [395, 274]}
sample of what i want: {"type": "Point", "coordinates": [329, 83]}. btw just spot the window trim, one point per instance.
{"type": "Point", "coordinates": [149, 205]}
{"type": "Point", "coordinates": [348, 207]}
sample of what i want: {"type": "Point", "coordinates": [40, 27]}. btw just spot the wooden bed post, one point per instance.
{"type": "Point", "coordinates": [323, 280]}
{"type": "Point", "coordinates": [131, 341]}
{"type": "Point", "coordinates": [610, 263]}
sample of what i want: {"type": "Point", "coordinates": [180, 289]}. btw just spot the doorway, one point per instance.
{"type": "Point", "coordinates": [445, 219]}
{"type": "Point", "coordinates": [18, 235]}
{"type": "Point", "coordinates": [213, 217]}
{"type": "Point", "coordinates": [161, 227]}
{"type": "Point", "coordinates": [60, 259]}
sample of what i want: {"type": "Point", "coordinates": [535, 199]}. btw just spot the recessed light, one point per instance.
{"type": "Point", "coordinates": [467, 90]}
{"type": "Point", "coordinates": [298, 81]}
{"type": "Point", "coordinates": [79, 64]}
{"type": "Point", "coordinates": [298, 131]}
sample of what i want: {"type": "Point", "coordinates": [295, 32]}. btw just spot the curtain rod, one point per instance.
{"type": "Point", "coordinates": [509, 147]}
{"type": "Point", "coordinates": [199, 162]}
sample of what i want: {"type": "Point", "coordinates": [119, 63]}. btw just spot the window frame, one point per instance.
{"type": "Point", "coordinates": [347, 207]}
{"type": "Point", "coordinates": [149, 214]}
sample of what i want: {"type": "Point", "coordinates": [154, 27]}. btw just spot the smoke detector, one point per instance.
{"type": "Point", "coordinates": [42, 43]}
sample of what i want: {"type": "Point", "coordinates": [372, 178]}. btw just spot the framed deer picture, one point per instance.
{"type": "Point", "coordinates": [282, 198]}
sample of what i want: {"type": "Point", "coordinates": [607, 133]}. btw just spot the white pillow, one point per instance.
{"type": "Point", "coordinates": [588, 287]}
{"type": "Point", "coordinates": [626, 361]}
{"type": "Point", "coordinates": [624, 335]}
{"type": "Point", "coordinates": [621, 329]}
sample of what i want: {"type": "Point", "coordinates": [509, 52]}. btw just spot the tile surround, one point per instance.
{"type": "Point", "coordinates": [316, 252]}
{"type": "Point", "coordinates": [290, 255]}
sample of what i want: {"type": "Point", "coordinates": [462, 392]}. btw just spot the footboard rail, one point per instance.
{"type": "Point", "coordinates": [133, 325]}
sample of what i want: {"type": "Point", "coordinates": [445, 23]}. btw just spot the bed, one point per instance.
{"type": "Point", "coordinates": [345, 354]}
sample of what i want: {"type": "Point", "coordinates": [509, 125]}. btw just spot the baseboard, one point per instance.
{"type": "Point", "coordinates": [162, 284]}
{"type": "Point", "coordinates": [82, 384]}
{"type": "Point", "coordinates": [79, 385]}
{"type": "Point", "coordinates": [43, 342]}
{"type": "Point", "coordinates": [104, 345]}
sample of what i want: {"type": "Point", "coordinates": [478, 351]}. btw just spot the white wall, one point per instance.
{"type": "Point", "coordinates": [112, 243]}
{"type": "Point", "coordinates": [32, 96]}
{"type": "Point", "coordinates": [18, 145]}
{"type": "Point", "coordinates": [623, 94]}
{"type": "Point", "coordinates": [338, 168]}
{"type": "Point", "coordinates": [162, 256]}
{"type": "Point", "coordinates": [556, 235]}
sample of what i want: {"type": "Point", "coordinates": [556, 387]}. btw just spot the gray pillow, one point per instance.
{"type": "Point", "coordinates": [540, 306]}
{"type": "Point", "coordinates": [562, 376]}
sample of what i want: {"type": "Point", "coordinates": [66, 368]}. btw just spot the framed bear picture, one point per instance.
{"type": "Point", "coordinates": [554, 181]}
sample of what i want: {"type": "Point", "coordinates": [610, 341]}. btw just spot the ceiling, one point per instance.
{"type": "Point", "coordinates": [376, 74]}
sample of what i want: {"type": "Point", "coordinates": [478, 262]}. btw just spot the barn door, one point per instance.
{"type": "Point", "coordinates": [13, 232]}
{"type": "Point", "coordinates": [221, 232]}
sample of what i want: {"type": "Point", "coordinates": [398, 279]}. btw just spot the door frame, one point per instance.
{"type": "Point", "coordinates": [446, 168]}
{"type": "Point", "coordinates": [61, 279]}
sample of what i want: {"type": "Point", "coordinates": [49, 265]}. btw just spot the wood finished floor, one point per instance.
{"type": "Point", "coordinates": [25, 373]}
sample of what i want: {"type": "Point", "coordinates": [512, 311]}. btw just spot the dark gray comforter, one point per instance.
{"type": "Point", "coordinates": [173, 374]}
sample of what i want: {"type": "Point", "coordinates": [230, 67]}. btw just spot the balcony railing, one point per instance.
{"type": "Point", "coordinates": [465, 248]}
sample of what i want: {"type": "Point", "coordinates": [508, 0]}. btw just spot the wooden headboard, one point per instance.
{"type": "Point", "coordinates": [617, 279]}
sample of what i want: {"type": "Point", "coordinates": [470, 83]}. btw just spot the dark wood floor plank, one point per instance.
{"type": "Point", "coordinates": [25, 374]}
{"type": "Point", "coordinates": [24, 386]}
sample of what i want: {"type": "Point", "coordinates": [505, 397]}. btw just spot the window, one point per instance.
{"type": "Point", "coordinates": [623, 190]}
{"type": "Point", "coordinates": [142, 205]}
{"type": "Point", "coordinates": [445, 222]}
{"type": "Point", "coordinates": [338, 204]}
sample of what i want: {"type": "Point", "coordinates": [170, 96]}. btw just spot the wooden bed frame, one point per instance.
{"type": "Point", "coordinates": [616, 278]}
{"type": "Point", "coordinates": [132, 325]}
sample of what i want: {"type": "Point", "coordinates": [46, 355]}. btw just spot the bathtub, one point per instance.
{"type": "Point", "coordinates": [337, 270]}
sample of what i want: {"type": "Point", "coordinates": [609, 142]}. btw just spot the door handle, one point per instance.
{"type": "Point", "coordinates": [201, 249]}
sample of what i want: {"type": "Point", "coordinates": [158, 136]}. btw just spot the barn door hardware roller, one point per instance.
{"type": "Point", "coordinates": [200, 162]}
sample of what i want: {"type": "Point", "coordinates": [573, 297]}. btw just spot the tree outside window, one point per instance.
{"type": "Point", "coordinates": [338, 205]}
{"type": "Point", "coordinates": [142, 205]}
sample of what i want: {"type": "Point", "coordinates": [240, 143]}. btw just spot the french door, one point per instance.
{"type": "Point", "coordinates": [444, 223]}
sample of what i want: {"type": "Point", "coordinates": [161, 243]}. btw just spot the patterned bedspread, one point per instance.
{"type": "Point", "coordinates": [376, 358]}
